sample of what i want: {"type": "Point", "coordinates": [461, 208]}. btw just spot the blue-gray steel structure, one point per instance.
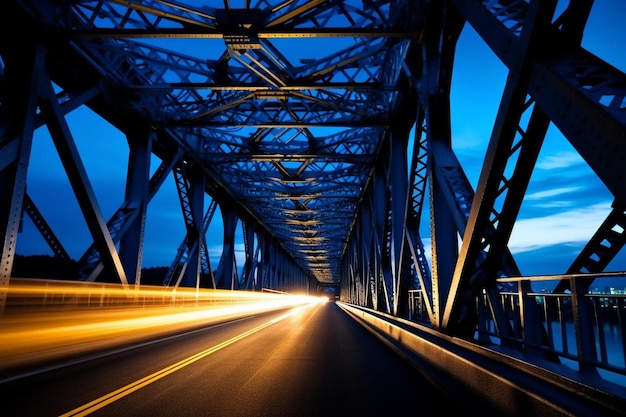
{"type": "Point", "coordinates": [313, 157]}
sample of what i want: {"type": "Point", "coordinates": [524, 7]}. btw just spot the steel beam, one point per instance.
{"type": "Point", "coordinates": [70, 158]}
{"type": "Point", "coordinates": [137, 186]}
{"type": "Point", "coordinates": [456, 317]}
{"type": "Point", "coordinates": [21, 78]}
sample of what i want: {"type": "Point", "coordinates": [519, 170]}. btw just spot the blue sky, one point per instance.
{"type": "Point", "coordinates": [565, 202]}
{"type": "Point", "coordinates": [564, 205]}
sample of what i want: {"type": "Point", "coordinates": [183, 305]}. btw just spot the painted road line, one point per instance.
{"type": "Point", "coordinates": [103, 401]}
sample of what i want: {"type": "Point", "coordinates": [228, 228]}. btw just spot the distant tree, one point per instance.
{"type": "Point", "coordinates": [153, 275]}
{"type": "Point", "coordinates": [50, 267]}
{"type": "Point", "coordinates": [44, 267]}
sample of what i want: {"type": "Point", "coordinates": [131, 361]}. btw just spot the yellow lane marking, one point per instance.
{"type": "Point", "coordinates": [140, 383]}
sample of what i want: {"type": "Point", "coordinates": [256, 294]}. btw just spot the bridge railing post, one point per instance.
{"type": "Point", "coordinates": [584, 331]}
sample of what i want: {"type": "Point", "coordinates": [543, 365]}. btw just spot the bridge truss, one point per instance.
{"type": "Point", "coordinates": [323, 128]}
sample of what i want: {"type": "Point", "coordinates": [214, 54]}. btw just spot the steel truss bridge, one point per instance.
{"type": "Point", "coordinates": [330, 161]}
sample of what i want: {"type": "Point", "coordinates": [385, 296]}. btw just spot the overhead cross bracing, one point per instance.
{"type": "Point", "coordinates": [288, 123]}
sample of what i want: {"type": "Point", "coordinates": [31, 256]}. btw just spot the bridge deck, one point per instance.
{"type": "Point", "coordinates": [316, 362]}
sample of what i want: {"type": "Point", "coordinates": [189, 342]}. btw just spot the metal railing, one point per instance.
{"type": "Point", "coordinates": [583, 330]}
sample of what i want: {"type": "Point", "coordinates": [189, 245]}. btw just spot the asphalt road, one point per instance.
{"type": "Point", "coordinates": [315, 361]}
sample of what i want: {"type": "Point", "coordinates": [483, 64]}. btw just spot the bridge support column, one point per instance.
{"type": "Point", "coordinates": [17, 124]}
{"type": "Point", "coordinates": [225, 270]}
{"type": "Point", "coordinates": [191, 276]}
{"type": "Point", "coordinates": [250, 265]}
{"type": "Point", "coordinates": [137, 188]}
{"type": "Point", "coordinates": [434, 86]}
{"type": "Point", "coordinates": [379, 208]}
{"type": "Point", "coordinates": [398, 190]}
{"type": "Point", "coordinates": [364, 252]}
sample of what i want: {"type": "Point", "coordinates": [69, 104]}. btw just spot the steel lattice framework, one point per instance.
{"type": "Point", "coordinates": [296, 118]}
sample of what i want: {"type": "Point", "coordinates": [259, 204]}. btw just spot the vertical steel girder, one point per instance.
{"type": "Point", "coordinates": [192, 267]}
{"type": "Point", "coordinates": [265, 241]}
{"type": "Point", "coordinates": [249, 271]}
{"type": "Point", "coordinates": [195, 228]}
{"type": "Point", "coordinates": [208, 277]}
{"type": "Point", "coordinates": [226, 271]}
{"type": "Point", "coordinates": [418, 186]}
{"type": "Point", "coordinates": [398, 183]}
{"type": "Point", "coordinates": [437, 53]}
{"type": "Point", "coordinates": [18, 124]}
{"type": "Point", "coordinates": [379, 207]}
{"type": "Point", "coordinates": [422, 279]}
{"type": "Point", "coordinates": [367, 264]}
{"type": "Point", "coordinates": [137, 186]}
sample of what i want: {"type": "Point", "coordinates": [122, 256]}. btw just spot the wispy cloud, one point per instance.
{"type": "Point", "coordinates": [557, 237]}
{"type": "Point", "coordinates": [550, 193]}
{"type": "Point", "coordinates": [559, 160]}
{"type": "Point", "coordinates": [573, 226]}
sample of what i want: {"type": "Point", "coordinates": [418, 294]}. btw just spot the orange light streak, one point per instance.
{"type": "Point", "coordinates": [61, 320]}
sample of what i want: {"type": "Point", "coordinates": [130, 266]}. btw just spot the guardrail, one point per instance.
{"type": "Point", "coordinates": [583, 330]}
{"type": "Point", "coordinates": [490, 381]}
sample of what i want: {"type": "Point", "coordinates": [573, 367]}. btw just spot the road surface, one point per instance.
{"type": "Point", "coordinates": [313, 361]}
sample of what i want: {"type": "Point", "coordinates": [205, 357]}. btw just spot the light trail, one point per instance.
{"type": "Point", "coordinates": [94, 317]}
{"type": "Point", "coordinates": [140, 383]}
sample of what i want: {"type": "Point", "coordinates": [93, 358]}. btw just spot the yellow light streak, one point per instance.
{"type": "Point", "coordinates": [50, 321]}
{"type": "Point", "coordinates": [140, 383]}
